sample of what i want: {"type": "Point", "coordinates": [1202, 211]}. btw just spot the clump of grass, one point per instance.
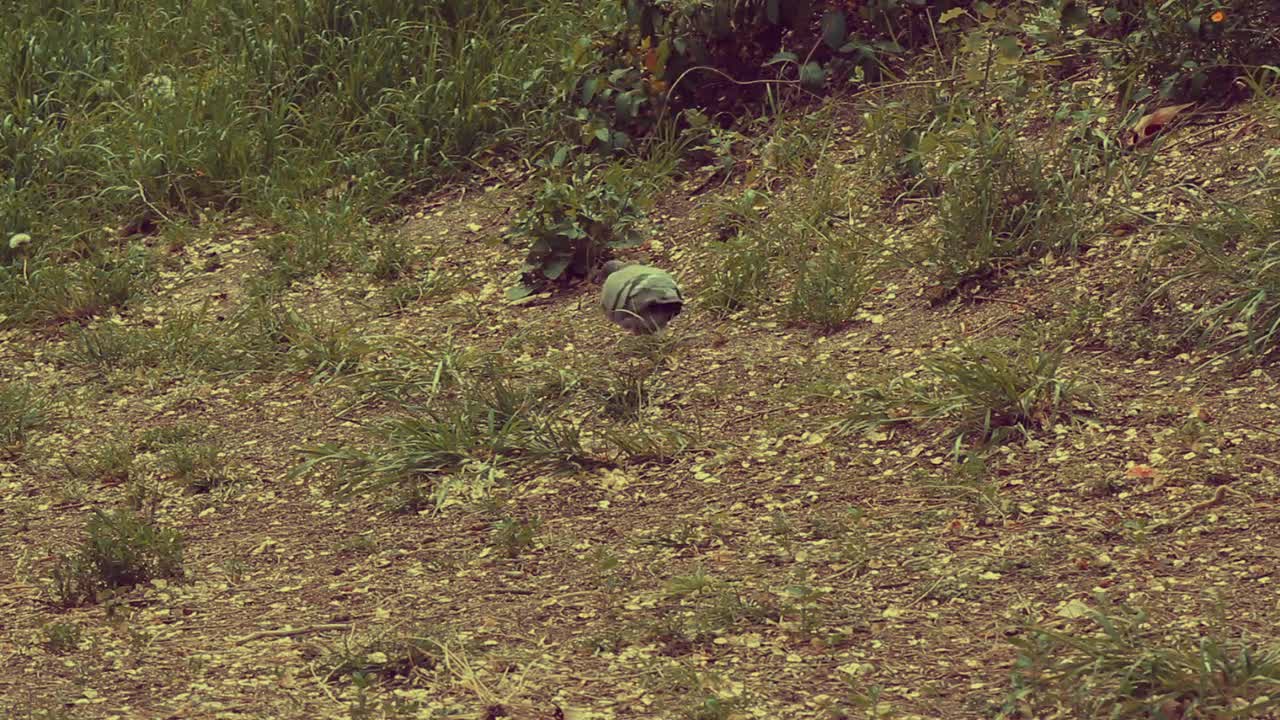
{"type": "Point", "coordinates": [184, 341]}
{"type": "Point", "coordinates": [200, 467]}
{"type": "Point", "coordinates": [799, 246]}
{"type": "Point", "coordinates": [831, 285]}
{"type": "Point", "coordinates": [986, 389]}
{"type": "Point", "coordinates": [1128, 667]}
{"type": "Point", "coordinates": [470, 423]}
{"type": "Point", "coordinates": [1002, 208]}
{"type": "Point", "coordinates": [121, 549]}
{"type": "Point", "coordinates": [386, 656]}
{"type": "Point", "coordinates": [62, 290]}
{"type": "Point", "coordinates": [22, 410]}
{"type": "Point", "coordinates": [109, 463]}
{"type": "Point", "coordinates": [1236, 261]}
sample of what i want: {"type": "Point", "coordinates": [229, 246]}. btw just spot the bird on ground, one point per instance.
{"type": "Point", "coordinates": [640, 298]}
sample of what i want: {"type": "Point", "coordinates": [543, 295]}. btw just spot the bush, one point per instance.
{"type": "Point", "coordinates": [575, 222]}
{"type": "Point", "coordinates": [1187, 49]}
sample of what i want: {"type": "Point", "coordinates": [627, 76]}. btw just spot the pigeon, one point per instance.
{"type": "Point", "coordinates": [640, 298]}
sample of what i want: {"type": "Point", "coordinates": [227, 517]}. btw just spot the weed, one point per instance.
{"type": "Point", "coordinates": [121, 549]}
{"type": "Point", "coordinates": [1002, 208]}
{"type": "Point", "coordinates": [199, 467]}
{"type": "Point", "coordinates": [512, 537]}
{"type": "Point", "coordinates": [830, 286]}
{"type": "Point", "coordinates": [460, 440]}
{"type": "Point", "coordinates": [108, 464]}
{"type": "Point", "coordinates": [1237, 260]}
{"type": "Point", "coordinates": [1128, 667]}
{"type": "Point", "coordinates": [61, 638]}
{"type": "Point", "coordinates": [387, 656]}
{"type": "Point", "coordinates": [389, 257]}
{"type": "Point", "coordinates": [649, 443]}
{"type": "Point", "coordinates": [576, 220]}
{"type": "Point", "coordinates": [22, 410]}
{"type": "Point", "coordinates": [989, 389]}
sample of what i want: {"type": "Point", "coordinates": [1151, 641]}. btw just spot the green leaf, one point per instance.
{"type": "Point", "coordinates": [1111, 15]}
{"type": "Point", "coordinates": [834, 29]}
{"type": "Point", "coordinates": [519, 292]}
{"type": "Point", "coordinates": [556, 267]}
{"type": "Point", "coordinates": [589, 89]}
{"type": "Point", "coordinates": [1008, 48]}
{"type": "Point", "coordinates": [813, 76]}
{"type": "Point", "coordinates": [950, 15]}
{"type": "Point", "coordinates": [782, 57]}
{"type": "Point", "coordinates": [602, 134]}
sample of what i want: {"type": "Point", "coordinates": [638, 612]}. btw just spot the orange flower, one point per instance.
{"type": "Point", "coordinates": [1218, 16]}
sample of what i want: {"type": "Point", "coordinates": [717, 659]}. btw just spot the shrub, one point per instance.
{"type": "Point", "coordinates": [575, 221]}
{"type": "Point", "coordinates": [1187, 49]}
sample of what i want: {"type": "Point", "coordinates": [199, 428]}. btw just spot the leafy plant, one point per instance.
{"type": "Point", "coordinates": [1186, 49]}
{"type": "Point", "coordinates": [512, 536]}
{"type": "Point", "coordinates": [574, 222]}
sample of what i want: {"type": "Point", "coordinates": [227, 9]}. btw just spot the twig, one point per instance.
{"type": "Point", "coordinates": [293, 632]}
{"type": "Point", "coordinates": [1218, 496]}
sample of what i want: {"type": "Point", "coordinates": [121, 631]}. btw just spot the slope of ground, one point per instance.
{"type": "Point", "coordinates": [771, 566]}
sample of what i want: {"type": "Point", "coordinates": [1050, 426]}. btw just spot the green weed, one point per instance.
{"type": "Point", "coordinates": [1236, 259]}
{"type": "Point", "coordinates": [1128, 667]}
{"type": "Point", "coordinates": [512, 537]}
{"type": "Point", "coordinates": [121, 549]}
{"type": "Point", "coordinates": [22, 409]}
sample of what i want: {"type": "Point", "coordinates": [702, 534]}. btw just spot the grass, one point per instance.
{"type": "Point", "coordinates": [23, 409]}
{"type": "Point", "coordinates": [1127, 667]}
{"type": "Point", "coordinates": [1236, 262]}
{"type": "Point", "coordinates": [1002, 208]}
{"type": "Point", "coordinates": [986, 390]}
{"type": "Point", "coordinates": [711, 553]}
{"type": "Point", "coordinates": [115, 116]}
{"type": "Point", "coordinates": [121, 549]}
{"type": "Point", "coordinates": [457, 440]}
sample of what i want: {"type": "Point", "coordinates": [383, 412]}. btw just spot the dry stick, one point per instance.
{"type": "Point", "coordinates": [292, 633]}
{"type": "Point", "coordinates": [1199, 507]}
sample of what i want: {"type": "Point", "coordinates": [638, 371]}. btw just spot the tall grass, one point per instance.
{"type": "Point", "coordinates": [123, 111]}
